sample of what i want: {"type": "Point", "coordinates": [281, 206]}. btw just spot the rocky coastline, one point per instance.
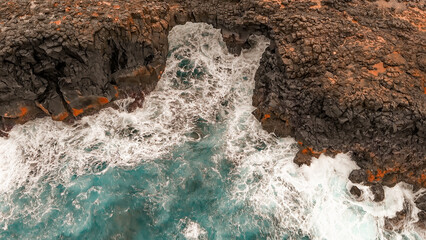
{"type": "Point", "coordinates": [339, 76]}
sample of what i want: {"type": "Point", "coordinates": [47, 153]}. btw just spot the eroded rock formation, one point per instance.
{"type": "Point", "coordinates": [339, 76]}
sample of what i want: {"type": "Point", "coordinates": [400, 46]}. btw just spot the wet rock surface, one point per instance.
{"type": "Point", "coordinates": [339, 76]}
{"type": "Point", "coordinates": [398, 222]}
{"type": "Point", "coordinates": [378, 192]}
{"type": "Point", "coordinates": [355, 191]}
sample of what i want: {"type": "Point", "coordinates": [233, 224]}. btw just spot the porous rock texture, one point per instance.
{"type": "Point", "coordinates": [338, 76]}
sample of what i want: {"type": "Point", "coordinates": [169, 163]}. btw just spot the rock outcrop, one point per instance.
{"type": "Point", "coordinates": [350, 83]}
{"type": "Point", "coordinates": [69, 58]}
{"type": "Point", "coordinates": [339, 76]}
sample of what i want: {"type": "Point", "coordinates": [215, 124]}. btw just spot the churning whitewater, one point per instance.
{"type": "Point", "coordinates": [193, 163]}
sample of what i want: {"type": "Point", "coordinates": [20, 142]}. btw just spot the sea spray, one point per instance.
{"type": "Point", "coordinates": [193, 163]}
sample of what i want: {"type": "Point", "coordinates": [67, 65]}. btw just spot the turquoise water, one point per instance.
{"type": "Point", "coordinates": [155, 200]}
{"type": "Point", "coordinates": [193, 163]}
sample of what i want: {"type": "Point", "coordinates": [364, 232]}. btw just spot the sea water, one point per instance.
{"type": "Point", "coordinates": [193, 163]}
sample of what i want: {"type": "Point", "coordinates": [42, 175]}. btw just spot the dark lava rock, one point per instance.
{"type": "Point", "coordinates": [421, 202]}
{"type": "Point", "coordinates": [358, 176]}
{"type": "Point", "coordinates": [301, 159]}
{"type": "Point", "coordinates": [390, 180]}
{"type": "Point", "coordinates": [397, 223]}
{"type": "Point", "coordinates": [76, 58]}
{"type": "Point", "coordinates": [356, 191]}
{"type": "Point", "coordinates": [378, 192]}
{"type": "Point", "coordinates": [422, 219]}
{"type": "Point", "coordinates": [336, 77]}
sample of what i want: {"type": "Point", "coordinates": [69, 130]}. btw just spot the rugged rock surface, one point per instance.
{"type": "Point", "coordinates": [67, 58]}
{"type": "Point", "coordinates": [351, 82]}
{"type": "Point", "coordinates": [339, 76]}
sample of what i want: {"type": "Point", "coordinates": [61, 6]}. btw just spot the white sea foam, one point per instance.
{"type": "Point", "coordinates": [316, 199]}
{"type": "Point", "coordinates": [193, 230]}
{"type": "Point", "coordinates": [308, 200]}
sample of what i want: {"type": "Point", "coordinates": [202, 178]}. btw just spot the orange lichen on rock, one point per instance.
{"type": "Point", "coordinates": [311, 152]}
{"type": "Point", "coordinates": [379, 69]}
{"type": "Point", "coordinates": [60, 117]}
{"type": "Point", "coordinates": [116, 91]}
{"type": "Point", "coordinates": [332, 80]}
{"type": "Point", "coordinates": [422, 180]}
{"type": "Point", "coordinates": [415, 17]}
{"type": "Point", "coordinates": [266, 117]}
{"type": "Point", "coordinates": [96, 103]}
{"type": "Point", "coordinates": [77, 112]}
{"type": "Point", "coordinates": [370, 176]}
{"type": "Point", "coordinates": [42, 108]}
{"type": "Point", "coordinates": [380, 173]}
{"type": "Point", "coordinates": [103, 100]}
{"type": "Point", "coordinates": [58, 22]}
{"type": "Point", "coordinates": [24, 111]}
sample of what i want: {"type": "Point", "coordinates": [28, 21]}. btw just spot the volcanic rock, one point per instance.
{"type": "Point", "coordinates": [356, 191]}
{"type": "Point", "coordinates": [338, 76]}
{"type": "Point", "coordinates": [378, 192]}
